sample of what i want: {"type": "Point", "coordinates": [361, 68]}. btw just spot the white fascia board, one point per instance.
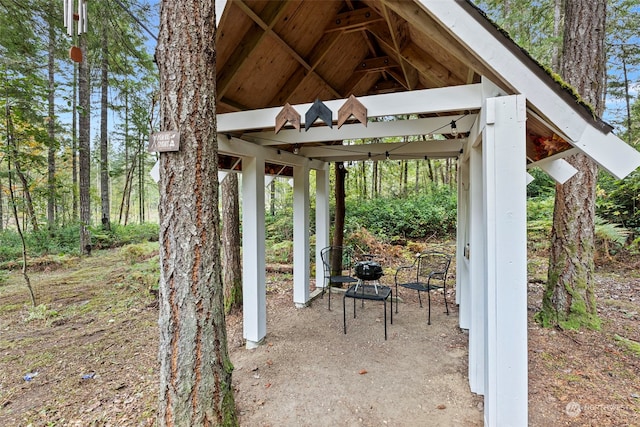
{"type": "Point", "coordinates": [495, 55]}
{"type": "Point", "coordinates": [414, 150]}
{"type": "Point", "coordinates": [219, 5]}
{"type": "Point", "coordinates": [454, 98]}
{"type": "Point", "coordinates": [558, 169]}
{"type": "Point", "coordinates": [606, 149]}
{"type": "Point", "coordinates": [431, 125]}
{"type": "Point", "coordinates": [609, 151]}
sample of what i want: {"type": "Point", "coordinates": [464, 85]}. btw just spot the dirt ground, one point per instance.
{"type": "Point", "coordinates": [94, 349]}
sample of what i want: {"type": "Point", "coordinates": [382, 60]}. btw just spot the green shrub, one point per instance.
{"type": "Point", "coordinates": [432, 213]}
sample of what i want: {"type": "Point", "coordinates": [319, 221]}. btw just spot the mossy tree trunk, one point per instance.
{"type": "Point", "coordinates": [231, 265]}
{"type": "Point", "coordinates": [569, 299]}
{"type": "Point", "coordinates": [195, 370]}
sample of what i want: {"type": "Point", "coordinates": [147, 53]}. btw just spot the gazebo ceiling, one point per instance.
{"type": "Point", "coordinates": [294, 51]}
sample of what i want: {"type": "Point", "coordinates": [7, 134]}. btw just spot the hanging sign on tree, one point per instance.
{"type": "Point", "coordinates": [164, 141]}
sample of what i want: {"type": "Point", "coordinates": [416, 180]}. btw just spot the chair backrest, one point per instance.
{"type": "Point", "coordinates": [433, 264]}
{"type": "Point", "coordinates": [337, 260]}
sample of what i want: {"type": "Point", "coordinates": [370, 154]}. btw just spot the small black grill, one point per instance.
{"type": "Point", "coordinates": [368, 270]}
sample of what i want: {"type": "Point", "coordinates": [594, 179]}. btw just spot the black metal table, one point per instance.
{"type": "Point", "coordinates": [368, 292]}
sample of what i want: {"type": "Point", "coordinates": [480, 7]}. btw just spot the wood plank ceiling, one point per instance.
{"type": "Point", "coordinates": [296, 51]}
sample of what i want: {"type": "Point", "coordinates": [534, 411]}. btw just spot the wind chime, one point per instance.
{"type": "Point", "coordinates": [70, 16]}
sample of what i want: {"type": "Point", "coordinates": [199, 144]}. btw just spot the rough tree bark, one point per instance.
{"type": "Point", "coordinates": [569, 299]}
{"type": "Point", "coordinates": [231, 262]}
{"type": "Point", "coordinates": [84, 147]}
{"type": "Point", "coordinates": [195, 370]}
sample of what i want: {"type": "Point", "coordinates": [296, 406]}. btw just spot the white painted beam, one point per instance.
{"type": "Point", "coordinates": [454, 98]}
{"type": "Point", "coordinates": [609, 151]}
{"type": "Point", "coordinates": [300, 235]}
{"type": "Point", "coordinates": [322, 220]}
{"type": "Point", "coordinates": [237, 147]}
{"type": "Point", "coordinates": [477, 272]}
{"type": "Point", "coordinates": [558, 169]}
{"type": "Point", "coordinates": [432, 125]}
{"type": "Point", "coordinates": [416, 149]}
{"type": "Point", "coordinates": [254, 291]}
{"type": "Point", "coordinates": [504, 175]}
{"type": "Point", "coordinates": [463, 285]}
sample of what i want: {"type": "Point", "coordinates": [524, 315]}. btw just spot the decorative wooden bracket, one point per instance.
{"type": "Point", "coordinates": [318, 110]}
{"type": "Point", "coordinates": [354, 108]}
{"type": "Point", "coordinates": [287, 114]}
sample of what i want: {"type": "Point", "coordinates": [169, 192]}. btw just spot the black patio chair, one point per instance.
{"type": "Point", "coordinates": [338, 264]}
{"type": "Point", "coordinates": [428, 272]}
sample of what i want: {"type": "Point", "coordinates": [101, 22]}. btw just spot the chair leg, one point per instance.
{"type": "Point", "coordinates": [444, 293]}
{"type": "Point", "coordinates": [396, 300]}
{"type": "Point", "coordinates": [420, 299]}
{"type": "Point", "coordinates": [429, 315]}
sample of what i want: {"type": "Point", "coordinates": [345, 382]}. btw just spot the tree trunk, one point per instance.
{"type": "Point", "coordinates": [231, 261]}
{"type": "Point", "coordinates": [272, 197]}
{"type": "Point", "coordinates": [1, 209]}
{"type": "Point", "coordinates": [84, 148]}
{"type": "Point", "coordinates": [51, 125]}
{"type": "Point", "coordinates": [569, 299]}
{"type": "Point", "coordinates": [374, 180]}
{"type": "Point", "coordinates": [28, 201]}
{"type": "Point", "coordinates": [557, 25]}
{"type": "Point", "coordinates": [104, 143]}
{"type": "Point", "coordinates": [195, 370]}
{"type": "Point", "coordinates": [141, 169]}
{"type": "Point", "coordinates": [338, 222]}
{"type": "Point", "coordinates": [74, 146]}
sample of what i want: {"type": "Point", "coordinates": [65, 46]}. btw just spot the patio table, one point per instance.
{"type": "Point", "coordinates": [368, 292]}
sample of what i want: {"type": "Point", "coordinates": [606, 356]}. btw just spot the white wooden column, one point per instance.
{"type": "Point", "coordinates": [254, 295]}
{"type": "Point", "coordinates": [477, 273]}
{"type": "Point", "coordinates": [300, 235]}
{"type": "Point", "coordinates": [322, 219]}
{"type": "Point", "coordinates": [463, 286]}
{"type": "Point", "coordinates": [504, 172]}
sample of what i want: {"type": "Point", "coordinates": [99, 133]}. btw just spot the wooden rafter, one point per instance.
{"type": "Point", "coordinates": [399, 36]}
{"type": "Point", "coordinates": [250, 42]}
{"type": "Point", "coordinates": [421, 21]}
{"type": "Point", "coordinates": [251, 14]}
{"type": "Point", "coordinates": [354, 20]}
{"type": "Point", "coordinates": [319, 52]}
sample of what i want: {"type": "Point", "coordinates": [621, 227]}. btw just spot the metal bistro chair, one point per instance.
{"type": "Point", "coordinates": [428, 272]}
{"type": "Point", "coordinates": [338, 267]}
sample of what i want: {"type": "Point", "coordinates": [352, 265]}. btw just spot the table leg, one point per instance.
{"type": "Point", "coordinates": [385, 319]}
{"type": "Point", "coordinates": [344, 315]}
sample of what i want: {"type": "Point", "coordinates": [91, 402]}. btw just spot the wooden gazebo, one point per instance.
{"type": "Point", "coordinates": [440, 65]}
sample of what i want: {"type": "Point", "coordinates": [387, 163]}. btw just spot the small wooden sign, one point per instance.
{"type": "Point", "coordinates": [164, 141]}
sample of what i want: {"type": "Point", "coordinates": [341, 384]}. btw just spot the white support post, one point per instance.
{"type": "Point", "coordinates": [300, 235]}
{"type": "Point", "coordinates": [463, 287]}
{"type": "Point", "coordinates": [477, 275]}
{"type": "Point", "coordinates": [254, 294]}
{"type": "Point", "coordinates": [322, 220]}
{"type": "Point", "coordinates": [504, 177]}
